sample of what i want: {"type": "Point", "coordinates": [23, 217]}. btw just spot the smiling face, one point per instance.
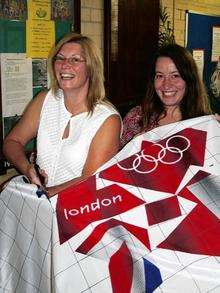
{"type": "Point", "coordinates": [70, 68]}
{"type": "Point", "coordinates": [169, 85]}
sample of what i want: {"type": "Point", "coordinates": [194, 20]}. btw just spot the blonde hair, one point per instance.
{"type": "Point", "coordinates": [96, 91]}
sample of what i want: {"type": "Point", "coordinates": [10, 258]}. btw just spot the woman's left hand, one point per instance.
{"type": "Point", "coordinates": [53, 190]}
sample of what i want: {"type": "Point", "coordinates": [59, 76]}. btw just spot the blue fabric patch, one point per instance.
{"type": "Point", "coordinates": [152, 276]}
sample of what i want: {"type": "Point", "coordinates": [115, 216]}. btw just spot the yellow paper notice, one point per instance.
{"type": "Point", "coordinates": [40, 37]}
{"type": "Point", "coordinates": [39, 9]}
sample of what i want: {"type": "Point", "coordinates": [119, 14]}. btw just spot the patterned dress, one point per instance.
{"type": "Point", "coordinates": [132, 124]}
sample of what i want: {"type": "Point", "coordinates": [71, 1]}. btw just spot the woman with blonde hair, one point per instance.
{"type": "Point", "coordinates": [77, 129]}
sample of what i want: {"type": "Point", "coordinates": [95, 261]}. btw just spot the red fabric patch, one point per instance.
{"type": "Point", "coordinates": [163, 210]}
{"type": "Point", "coordinates": [121, 265]}
{"type": "Point", "coordinates": [82, 204]}
{"type": "Point", "coordinates": [161, 166]}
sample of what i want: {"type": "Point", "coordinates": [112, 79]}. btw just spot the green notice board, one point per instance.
{"type": "Point", "coordinates": [13, 40]}
{"type": "Point", "coordinates": [12, 36]}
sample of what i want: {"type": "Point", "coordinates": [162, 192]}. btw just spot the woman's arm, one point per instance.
{"type": "Point", "coordinates": [22, 132]}
{"type": "Point", "coordinates": [103, 147]}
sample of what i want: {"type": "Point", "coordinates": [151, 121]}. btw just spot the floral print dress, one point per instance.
{"type": "Point", "coordinates": [132, 125]}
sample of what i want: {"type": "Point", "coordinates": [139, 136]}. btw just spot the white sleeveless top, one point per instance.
{"type": "Point", "coordinates": [63, 159]}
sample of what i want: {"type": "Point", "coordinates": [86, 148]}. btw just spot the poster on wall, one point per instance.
{"type": "Point", "coordinates": [12, 9]}
{"type": "Point", "coordinates": [206, 37]}
{"type": "Point", "coordinates": [40, 37]}
{"type": "Point", "coordinates": [39, 9]}
{"type": "Point", "coordinates": [39, 73]}
{"type": "Point", "coordinates": [215, 43]}
{"type": "Point", "coordinates": [198, 56]}
{"type": "Point", "coordinates": [16, 83]}
{"type": "Point", "coordinates": [62, 10]}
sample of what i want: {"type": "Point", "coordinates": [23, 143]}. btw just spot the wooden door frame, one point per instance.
{"type": "Point", "coordinates": [77, 16]}
{"type": "Point", "coordinates": [107, 42]}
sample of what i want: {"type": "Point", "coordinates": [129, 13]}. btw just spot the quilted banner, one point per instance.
{"type": "Point", "coordinates": [147, 221]}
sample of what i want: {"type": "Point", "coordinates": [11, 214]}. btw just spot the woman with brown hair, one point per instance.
{"type": "Point", "coordinates": [175, 92]}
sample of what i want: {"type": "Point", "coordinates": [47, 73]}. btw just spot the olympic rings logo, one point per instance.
{"type": "Point", "coordinates": [160, 157]}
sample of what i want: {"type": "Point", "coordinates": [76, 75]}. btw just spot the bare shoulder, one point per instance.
{"type": "Point", "coordinates": [32, 112]}
{"type": "Point", "coordinates": [113, 118]}
{"type": "Point", "coordinates": [104, 145]}
{"type": "Point", "coordinates": [109, 133]}
{"type": "Point", "coordinates": [112, 123]}
{"type": "Point", "coordinates": [38, 100]}
{"type": "Point", "coordinates": [33, 109]}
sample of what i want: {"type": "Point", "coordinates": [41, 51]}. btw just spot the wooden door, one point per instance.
{"type": "Point", "coordinates": [130, 39]}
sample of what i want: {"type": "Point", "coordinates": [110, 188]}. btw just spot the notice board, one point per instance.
{"type": "Point", "coordinates": [13, 40]}
{"type": "Point", "coordinates": [199, 35]}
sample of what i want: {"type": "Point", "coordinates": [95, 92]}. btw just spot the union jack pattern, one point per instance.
{"type": "Point", "coordinates": [148, 221]}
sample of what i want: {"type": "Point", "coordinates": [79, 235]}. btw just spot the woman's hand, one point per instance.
{"type": "Point", "coordinates": [36, 175]}
{"type": "Point", "coordinates": [51, 191]}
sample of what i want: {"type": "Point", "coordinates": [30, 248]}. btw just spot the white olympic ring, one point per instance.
{"type": "Point", "coordinates": [160, 157]}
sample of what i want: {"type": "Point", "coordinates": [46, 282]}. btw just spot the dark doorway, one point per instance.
{"type": "Point", "coordinates": [130, 40]}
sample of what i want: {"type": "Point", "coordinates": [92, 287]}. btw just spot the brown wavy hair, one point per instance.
{"type": "Point", "coordinates": [195, 100]}
{"type": "Point", "coordinates": [96, 92]}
